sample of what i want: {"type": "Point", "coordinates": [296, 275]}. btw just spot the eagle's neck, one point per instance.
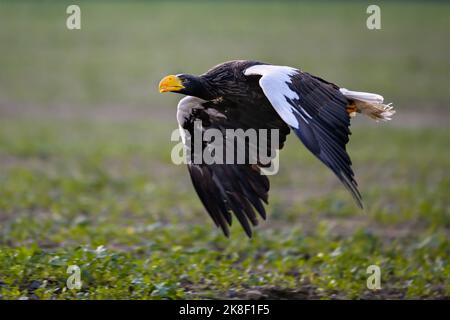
{"type": "Point", "coordinates": [202, 88]}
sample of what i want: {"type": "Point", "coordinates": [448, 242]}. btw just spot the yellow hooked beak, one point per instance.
{"type": "Point", "coordinates": [170, 83]}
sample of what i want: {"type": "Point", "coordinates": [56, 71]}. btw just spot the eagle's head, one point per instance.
{"type": "Point", "coordinates": [185, 84]}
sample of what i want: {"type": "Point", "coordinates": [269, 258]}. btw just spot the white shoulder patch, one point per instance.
{"type": "Point", "coordinates": [274, 82]}
{"type": "Point", "coordinates": [185, 107]}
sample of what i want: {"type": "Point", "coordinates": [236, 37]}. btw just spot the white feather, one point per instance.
{"type": "Point", "coordinates": [362, 96]}
{"type": "Point", "coordinates": [274, 85]}
{"type": "Point", "coordinates": [184, 109]}
{"type": "Point", "coordinates": [370, 104]}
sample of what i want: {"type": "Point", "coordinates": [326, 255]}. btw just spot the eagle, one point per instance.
{"type": "Point", "coordinates": [244, 94]}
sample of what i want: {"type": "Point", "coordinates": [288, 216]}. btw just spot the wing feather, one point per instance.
{"type": "Point", "coordinates": [227, 189]}
{"type": "Point", "coordinates": [316, 110]}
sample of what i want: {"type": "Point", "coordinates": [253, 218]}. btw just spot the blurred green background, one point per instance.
{"type": "Point", "coordinates": [86, 176]}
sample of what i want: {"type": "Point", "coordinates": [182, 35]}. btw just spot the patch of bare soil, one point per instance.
{"type": "Point", "coordinates": [274, 293]}
{"type": "Point", "coordinates": [309, 292]}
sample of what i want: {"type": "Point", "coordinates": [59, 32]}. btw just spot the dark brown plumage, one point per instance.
{"type": "Point", "coordinates": [253, 95]}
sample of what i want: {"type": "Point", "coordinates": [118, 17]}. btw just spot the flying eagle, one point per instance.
{"type": "Point", "coordinates": [245, 94]}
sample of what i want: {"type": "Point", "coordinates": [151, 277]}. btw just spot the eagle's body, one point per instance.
{"type": "Point", "coordinates": [254, 95]}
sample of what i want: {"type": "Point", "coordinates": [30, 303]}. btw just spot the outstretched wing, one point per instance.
{"type": "Point", "coordinates": [228, 188]}
{"type": "Point", "coordinates": [316, 111]}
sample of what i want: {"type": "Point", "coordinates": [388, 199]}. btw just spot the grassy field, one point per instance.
{"type": "Point", "coordinates": [86, 177]}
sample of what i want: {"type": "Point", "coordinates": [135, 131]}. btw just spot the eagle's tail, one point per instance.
{"type": "Point", "coordinates": [370, 104]}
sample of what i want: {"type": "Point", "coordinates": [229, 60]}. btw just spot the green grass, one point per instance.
{"type": "Point", "coordinates": [86, 177]}
{"type": "Point", "coordinates": [95, 195]}
{"type": "Point", "coordinates": [123, 50]}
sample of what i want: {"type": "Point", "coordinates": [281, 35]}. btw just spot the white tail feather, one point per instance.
{"type": "Point", "coordinates": [362, 96]}
{"type": "Point", "coordinates": [377, 111]}
{"type": "Point", "coordinates": [370, 104]}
